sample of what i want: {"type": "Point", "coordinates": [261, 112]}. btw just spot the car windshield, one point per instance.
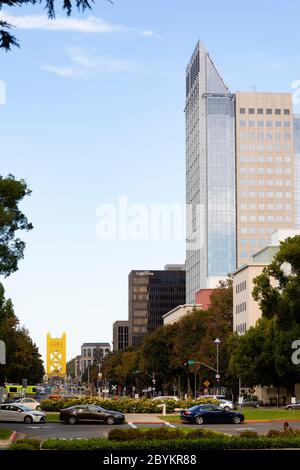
{"type": "Point", "coordinates": [24, 408]}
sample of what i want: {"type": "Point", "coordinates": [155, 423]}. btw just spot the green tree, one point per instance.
{"type": "Point", "coordinates": [7, 40]}
{"type": "Point", "coordinates": [12, 220]}
{"type": "Point", "coordinates": [22, 356]}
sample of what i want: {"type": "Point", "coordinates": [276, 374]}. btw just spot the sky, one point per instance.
{"type": "Point", "coordinates": [93, 120]}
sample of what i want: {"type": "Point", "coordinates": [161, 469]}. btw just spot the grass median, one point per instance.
{"type": "Point", "coordinates": [252, 414]}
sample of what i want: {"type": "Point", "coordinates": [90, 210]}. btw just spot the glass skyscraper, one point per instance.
{"type": "Point", "coordinates": [210, 175]}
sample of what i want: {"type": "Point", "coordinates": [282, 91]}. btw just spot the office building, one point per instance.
{"type": "Point", "coordinates": [242, 172]}
{"type": "Point", "coordinates": [179, 312]}
{"type": "Point", "coordinates": [93, 354]}
{"type": "Point", "coordinates": [120, 335]}
{"type": "Point", "coordinates": [210, 175]}
{"type": "Point", "coordinates": [151, 295]}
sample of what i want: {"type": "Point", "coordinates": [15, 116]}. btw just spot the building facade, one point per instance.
{"type": "Point", "coordinates": [120, 335]}
{"type": "Point", "coordinates": [242, 172]}
{"type": "Point", "coordinates": [179, 312]}
{"type": "Point", "coordinates": [93, 354]}
{"type": "Point", "coordinates": [265, 162]}
{"type": "Point", "coordinates": [210, 175]}
{"type": "Point", "coordinates": [151, 295]}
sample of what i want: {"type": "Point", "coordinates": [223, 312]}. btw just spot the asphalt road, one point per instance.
{"type": "Point", "coordinates": [61, 430]}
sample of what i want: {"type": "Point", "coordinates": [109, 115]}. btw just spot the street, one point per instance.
{"type": "Point", "coordinates": [66, 431]}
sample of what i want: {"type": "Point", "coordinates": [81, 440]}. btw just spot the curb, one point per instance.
{"type": "Point", "coordinates": [8, 442]}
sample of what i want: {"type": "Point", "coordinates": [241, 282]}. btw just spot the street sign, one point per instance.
{"type": "Point", "coordinates": [206, 383]}
{"type": "Point", "coordinates": [217, 376]}
{"type": "Point", "coordinates": [191, 362]}
{"type": "Point", "coordinates": [293, 400]}
{"type": "Point", "coordinates": [114, 387]}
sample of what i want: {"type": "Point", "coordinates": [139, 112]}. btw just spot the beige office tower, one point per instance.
{"type": "Point", "coordinates": [265, 169]}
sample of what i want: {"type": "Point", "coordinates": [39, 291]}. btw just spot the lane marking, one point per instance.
{"type": "Point", "coordinates": [132, 425]}
{"type": "Point", "coordinates": [169, 424]}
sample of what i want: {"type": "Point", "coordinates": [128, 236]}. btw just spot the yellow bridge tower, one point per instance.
{"type": "Point", "coordinates": [56, 355]}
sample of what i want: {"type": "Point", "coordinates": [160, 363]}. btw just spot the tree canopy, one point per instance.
{"type": "Point", "coordinates": [12, 220]}
{"type": "Point", "coordinates": [7, 40]}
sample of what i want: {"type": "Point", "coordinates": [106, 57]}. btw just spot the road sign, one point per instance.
{"type": "Point", "coordinates": [217, 376]}
{"type": "Point", "coordinates": [191, 362]}
{"type": "Point", "coordinates": [114, 387]}
{"type": "Point", "coordinates": [206, 383]}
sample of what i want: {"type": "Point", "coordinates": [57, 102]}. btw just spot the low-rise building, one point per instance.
{"type": "Point", "coordinates": [93, 354]}
{"type": "Point", "coordinates": [179, 312]}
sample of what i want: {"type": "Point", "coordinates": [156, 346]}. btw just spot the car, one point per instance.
{"type": "Point", "coordinates": [253, 402]}
{"type": "Point", "coordinates": [17, 412]}
{"type": "Point", "coordinates": [293, 406]}
{"type": "Point", "coordinates": [212, 414]}
{"type": "Point", "coordinates": [225, 404]}
{"type": "Point", "coordinates": [29, 403]}
{"type": "Point", "coordinates": [87, 413]}
{"type": "Point", "coordinates": [216, 397]}
{"type": "Point", "coordinates": [164, 398]}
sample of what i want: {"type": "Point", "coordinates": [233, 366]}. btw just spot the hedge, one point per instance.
{"type": "Point", "coordinates": [174, 445]}
{"type": "Point", "coordinates": [125, 405]}
{"type": "Point", "coordinates": [162, 433]}
{"type": "Point", "coordinates": [26, 444]}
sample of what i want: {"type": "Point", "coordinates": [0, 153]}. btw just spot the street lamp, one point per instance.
{"type": "Point", "coordinates": [217, 341]}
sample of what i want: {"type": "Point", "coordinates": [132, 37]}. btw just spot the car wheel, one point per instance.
{"type": "Point", "coordinates": [110, 420]}
{"type": "Point", "coordinates": [236, 420]}
{"type": "Point", "coordinates": [28, 420]}
{"type": "Point", "coordinates": [199, 420]}
{"type": "Point", "coordinates": [38, 408]}
{"type": "Point", "coordinates": [226, 408]}
{"type": "Point", "coordinates": [256, 406]}
{"type": "Point", "coordinates": [72, 420]}
{"type": "Point", "coordinates": [289, 408]}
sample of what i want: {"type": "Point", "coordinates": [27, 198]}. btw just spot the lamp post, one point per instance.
{"type": "Point", "coordinates": [217, 341]}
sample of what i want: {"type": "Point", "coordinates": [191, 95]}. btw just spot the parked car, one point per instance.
{"type": "Point", "coordinates": [293, 406]}
{"type": "Point", "coordinates": [164, 398]}
{"type": "Point", "coordinates": [16, 412]}
{"type": "Point", "coordinates": [29, 403]}
{"type": "Point", "coordinates": [84, 413]}
{"type": "Point", "coordinates": [216, 397]}
{"type": "Point", "coordinates": [226, 405]}
{"type": "Point", "coordinates": [253, 402]}
{"type": "Point", "coordinates": [202, 414]}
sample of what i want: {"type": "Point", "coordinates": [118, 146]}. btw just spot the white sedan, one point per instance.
{"type": "Point", "coordinates": [225, 404]}
{"type": "Point", "coordinates": [16, 412]}
{"type": "Point", "coordinates": [29, 403]}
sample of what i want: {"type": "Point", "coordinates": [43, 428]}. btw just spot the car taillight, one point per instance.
{"type": "Point", "coordinates": [187, 413]}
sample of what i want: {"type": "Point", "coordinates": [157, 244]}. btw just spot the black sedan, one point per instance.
{"type": "Point", "coordinates": [212, 414]}
{"type": "Point", "coordinates": [90, 413]}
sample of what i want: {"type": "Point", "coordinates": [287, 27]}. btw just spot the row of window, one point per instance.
{"type": "Point", "coordinates": [265, 194]}
{"type": "Point", "coordinates": [266, 218]}
{"type": "Point", "coordinates": [252, 123]}
{"type": "Point", "coordinates": [260, 135]}
{"type": "Point", "coordinates": [263, 206]}
{"type": "Point", "coordinates": [262, 170]}
{"type": "Point", "coordinates": [265, 147]}
{"type": "Point", "coordinates": [240, 287]}
{"type": "Point", "coordinates": [254, 242]}
{"type": "Point", "coordinates": [240, 308]}
{"type": "Point", "coordinates": [268, 182]}
{"type": "Point", "coordinates": [268, 111]}
{"type": "Point", "coordinates": [241, 328]}
{"type": "Point", "coordinates": [254, 230]}
{"type": "Point", "coordinates": [264, 159]}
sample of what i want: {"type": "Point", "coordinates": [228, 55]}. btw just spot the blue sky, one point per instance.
{"type": "Point", "coordinates": [94, 110]}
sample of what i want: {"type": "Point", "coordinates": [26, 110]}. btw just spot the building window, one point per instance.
{"type": "Point", "coordinates": [242, 110]}
{"type": "Point", "coordinates": [286, 112]}
{"type": "Point", "coordinates": [260, 111]}
{"type": "Point", "coordinates": [269, 111]}
{"type": "Point", "coordinates": [277, 111]}
{"type": "Point", "coordinates": [251, 110]}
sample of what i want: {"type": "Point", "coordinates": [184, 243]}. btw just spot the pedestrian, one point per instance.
{"type": "Point", "coordinates": [286, 426]}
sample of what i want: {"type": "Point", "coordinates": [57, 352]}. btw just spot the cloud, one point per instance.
{"type": "Point", "coordinates": [85, 64]}
{"type": "Point", "coordinates": [92, 24]}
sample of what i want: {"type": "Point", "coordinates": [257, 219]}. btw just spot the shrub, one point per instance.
{"type": "Point", "coordinates": [274, 433]}
{"type": "Point", "coordinates": [125, 405]}
{"type": "Point", "coordinates": [248, 434]}
{"type": "Point", "coordinates": [25, 444]}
